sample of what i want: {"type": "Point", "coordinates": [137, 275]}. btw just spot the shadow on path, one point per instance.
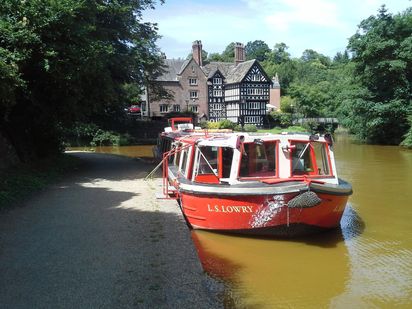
{"type": "Point", "coordinates": [101, 240]}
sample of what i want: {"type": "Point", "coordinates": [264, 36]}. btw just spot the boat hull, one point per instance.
{"type": "Point", "coordinates": [270, 214]}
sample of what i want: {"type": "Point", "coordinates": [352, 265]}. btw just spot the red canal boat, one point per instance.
{"type": "Point", "coordinates": [262, 184]}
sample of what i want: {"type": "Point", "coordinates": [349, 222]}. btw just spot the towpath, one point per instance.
{"type": "Point", "coordinates": [100, 239]}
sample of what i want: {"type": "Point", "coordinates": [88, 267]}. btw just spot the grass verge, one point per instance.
{"type": "Point", "coordinates": [292, 129]}
{"type": "Point", "coordinates": [18, 182]}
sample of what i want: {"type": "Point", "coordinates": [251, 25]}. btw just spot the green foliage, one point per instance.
{"type": "Point", "coordinates": [20, 181]}
{"type": "Point", "coordinates": [257, 49]}
{"type": "Point", "coordinates": [407, 141]}
{"type": "Point", "coordinates": [280, 119]}
{"type": "Point", "coordinates": [287, 104]}
{"type": "Point", "coordinates": [213, 125]}
{"type": "Point", "coordinates": [68, 60]}
{"type": "Point", "coordinates": [291, 129]}
{"type": "Point", "coordinates": [250, 128]}
{"type": "Point", "coordinates": [215, 57]}
{"type": "Point", "coordinates": [226, 124]}
{"type": "Point", "coordinates": [383, 68]}
{"type": "Point", "coordinates": [89, 134]}
{"type": "Point", "coordinates": [105, 138]}
{"type": "Point", "coordinates": [222, 124]}
{"type": "Point", "coordinates": [311, 126]}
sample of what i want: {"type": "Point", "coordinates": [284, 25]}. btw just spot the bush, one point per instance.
{"type": "Point", "coordinates": [226, 124]}
{"type": "Point", "coordinates": [280, 119]}
{"type": "Point", "coordinates": [311, 126]}
{"type": "Point", "coordinates": [407, 142]}
{"type": "Point", "coordinates": [250, 128]}
{"type": "Point", "coordinates": [105, 138]}
{"type": "Point", "coordinates": [213, 125]}
{"type": "Point", "coordinates": [203, 124]}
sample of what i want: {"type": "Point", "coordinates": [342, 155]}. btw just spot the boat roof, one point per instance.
{"type": "Point", "coordinates": [232, 139]}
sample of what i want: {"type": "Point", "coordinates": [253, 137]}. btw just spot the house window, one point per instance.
{"type": "Point", "coordinates": [193, 108]}
{"type": "Point", "coordinates": [192, 81]}
{"type": "Point", "coordinates": [252, 119]}
{"type": "Point", "coordinates": [176, 108]}
{"type": "Point", "coordinates": [254, 105]}
{"type": "Point", "coordinates": [164, 108]}
{"type": "Point", "coordinates": [217, 80]}
{"type": "Point", "coordinates": [217, 93]}
{"type": "Point", "coordinates": [256, 77]}
{"type": "Point", "coordinates": [193, 95]}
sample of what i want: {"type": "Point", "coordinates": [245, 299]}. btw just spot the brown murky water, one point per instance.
{"type": "Point", "coordinates": [367, 263]}
{"type": "Point", "coordinates": [129, 151]}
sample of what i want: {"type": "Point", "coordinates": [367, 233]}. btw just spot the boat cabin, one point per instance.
{"type": "Point", "coordinates": [243, 157]}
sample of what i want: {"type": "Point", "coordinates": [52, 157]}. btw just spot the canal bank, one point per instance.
{"type": "Point", "coordinates": [101, 239]}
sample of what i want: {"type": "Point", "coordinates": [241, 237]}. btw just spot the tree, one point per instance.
{"type": "Point", "coordinates": [279, 53]}
{"type": "Point", "coordinates": [68, 60]}
{"type": "Point", "coordinates": [215, 57]}
{"type": "Point", "coordinates": [257, 50]}
{"type": "Point", "coordinates": [382, 53]}
{"type": "Point", "coordinates": [341, 57]}
{"type": "Point", "coordinates": [228, 54]}
{"type": "Point", "coordinates": [309, 55]}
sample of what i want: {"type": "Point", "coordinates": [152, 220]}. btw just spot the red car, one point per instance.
{"type": "Point", "coordinates": [134, 109]}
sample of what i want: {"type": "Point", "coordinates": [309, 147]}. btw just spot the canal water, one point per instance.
{"type": "Point", "coordinates": [367, 263]}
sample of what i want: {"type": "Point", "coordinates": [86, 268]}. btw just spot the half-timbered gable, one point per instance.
{"type": "Point", "coordinates": [216, 97]}
{"type": "Point", "coordinates": [255, 88]}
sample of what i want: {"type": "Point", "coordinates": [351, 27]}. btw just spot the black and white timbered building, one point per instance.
{"type": "Point", "coordinates": [238, 92]}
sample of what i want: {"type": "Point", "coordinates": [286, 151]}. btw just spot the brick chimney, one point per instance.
{"type": "Point", "coordinates": [197, 52]}
{"type": "Point", "coordinates": [239, 53]}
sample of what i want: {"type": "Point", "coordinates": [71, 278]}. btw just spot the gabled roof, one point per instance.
{"type": "Point", "coordinates": [173, 67]}
{"type": "Point", "coordinates": [232, 72]}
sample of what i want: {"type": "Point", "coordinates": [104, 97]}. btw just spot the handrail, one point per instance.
{"type": "Point", "coordinates": [165, 163]}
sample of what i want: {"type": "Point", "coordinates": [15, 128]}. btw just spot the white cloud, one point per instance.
{"type": "Point", "coordinates": [282, 14]}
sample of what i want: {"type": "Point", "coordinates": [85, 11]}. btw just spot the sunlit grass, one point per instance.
{"type": "Point", "coordinates": [292, 129]}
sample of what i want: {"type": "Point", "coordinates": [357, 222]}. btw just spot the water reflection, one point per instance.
{"type": "Point", "coordinates": [269, 273]}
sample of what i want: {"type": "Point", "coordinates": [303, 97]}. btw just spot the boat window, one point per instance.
{"type": "Point", "coordinates": [310, 158]}
{"type": "Point", "coordinates": [258, 160]}
{"type": "Point", "coordinates": [321, 155]}
{"type": "Point", "coordinates": [208, 160]}
{"type": "Point", "coordinates": [183, 159]}
{"type": "Point", "coordinates": [213, 163]}
{"type": "Point", "coordinates": [177, 155]}
{"type": "Point", "coordinates": [227, 157]}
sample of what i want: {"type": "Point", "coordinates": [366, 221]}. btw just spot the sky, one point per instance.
{"type": "Point", "coordinates": [322, 25]}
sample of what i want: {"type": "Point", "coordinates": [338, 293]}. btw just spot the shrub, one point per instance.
{"type": "Point", "coordinates": [105, 138]}
{"type": "Point", "coordinates": [280, 119]}
{"type": "Point", "coordinates": [250, 128]}
{"type": "Point", "coordinates": [213, 125]}
{"type": "Point", "coordinates": [226, 124]}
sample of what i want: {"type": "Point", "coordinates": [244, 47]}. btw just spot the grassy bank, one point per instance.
{"type": "Point", "coordinates": [277, 130]}
{"type": "Point", "coordinates": [20, 181]}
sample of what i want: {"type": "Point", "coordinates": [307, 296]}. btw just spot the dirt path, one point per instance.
{"type": "Point", "coordinates": [101, 240]}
